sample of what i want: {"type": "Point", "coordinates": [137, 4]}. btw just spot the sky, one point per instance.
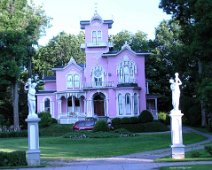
{"type": "Point", "coordinates": [130, 15]}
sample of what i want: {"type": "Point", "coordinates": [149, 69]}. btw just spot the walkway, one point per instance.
{"type": "Point", "coordinates": [137, 161]}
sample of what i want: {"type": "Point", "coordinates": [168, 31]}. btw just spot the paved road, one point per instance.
{"type": "Point", "coordinates": [137, 161]}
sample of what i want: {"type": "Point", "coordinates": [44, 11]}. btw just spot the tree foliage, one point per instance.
{"type": "Point", "coordinates": [58, 52]}
{"type": "Point", "coordinates": [20, 26]}
{"type": "Point", "coordinates": [137, 41]}
{"type": "Point", "coordinates": [194, 17]}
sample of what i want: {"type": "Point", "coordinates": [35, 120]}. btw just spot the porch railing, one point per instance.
{"type": "Point", "coordinates": [104, 84]}
{"type": "Point", "coordinates": [70, 118]}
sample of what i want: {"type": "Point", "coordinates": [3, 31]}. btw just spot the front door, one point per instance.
{"type": "Point", "coordinates": [99, 104]}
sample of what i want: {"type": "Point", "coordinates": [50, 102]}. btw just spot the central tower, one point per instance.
{"type": "Point", "coordinates": [96, 42]}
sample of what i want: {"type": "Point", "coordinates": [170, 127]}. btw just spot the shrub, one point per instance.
{"type": "Point", "coordinates": [131, 127]}
{"type": "Point", "coordinates": [125, 120]}
{"type": "Point", "coordinates": [46, 119]}
{"type": "Point", "coordinates": [55, 130]}
{"type": "Point", "coordinates": [17, 158]}
{"type": "Point", "coordinates": [134, 120]}
{"type": "Point", "coordinates": [209, 149]}
{"type": "Point", "coordinates": [195, 154]}
{"type": "Point", "coordinates": [164, 117]}
{"type": "Point", "coordinates": [145, 116]}
{"type": "Point", "coordinates": [155, 126]}
{"type": "Point", "coordinates": [101, 125]}
{"type": "Point", "coordinates": [143, 127]}
{"type": "Point", "coordinates": [54, 121]}
{"type": "Point", "coordinates": [2, 120]}
{"type": "Point", "coordinates": [13, 134]}
{"type": "Point", "coordinates": [194, 115]}
{"type": "Point", "coordinates": [209, 126]}
{"type": "Point", "coordinates": [116, 121]}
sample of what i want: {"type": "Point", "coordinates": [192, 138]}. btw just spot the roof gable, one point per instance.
{"type": "Point", "coordinates": [71, 62]}
{"type": "Point", "coordinates": [126, 46]}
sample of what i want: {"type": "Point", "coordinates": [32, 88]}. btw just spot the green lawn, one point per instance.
{"type": "Point", "coordinates": [65, 148]}
{"type": "Point", "coordinates": [189, 167]}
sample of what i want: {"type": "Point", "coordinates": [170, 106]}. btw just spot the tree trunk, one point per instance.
{"type": "Point", "coordinates": [15, 99]}
{"type": "Point", "coordinates": [202, 104]}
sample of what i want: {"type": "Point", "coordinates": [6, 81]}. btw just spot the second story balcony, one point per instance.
{"type": "Point", "coordinates": [99, 85]}
{"type": "Point", "coordinates": [96, 44]}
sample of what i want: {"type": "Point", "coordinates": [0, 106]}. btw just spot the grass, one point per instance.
{"type": "Point", "coordinates": [203, 156]}
{"type": "Point", "coordinates": [65, 148]}
{"type": "Point", "coordinates": [189, 167]}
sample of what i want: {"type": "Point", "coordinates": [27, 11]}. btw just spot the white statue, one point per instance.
{"type": "Point", "coordinates": [31, 100]}
{"type": "Point", "coordinates": [175, 83]}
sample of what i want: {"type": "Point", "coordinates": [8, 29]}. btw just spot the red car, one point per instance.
{"type": "Point", "coordinates": [84, 125]}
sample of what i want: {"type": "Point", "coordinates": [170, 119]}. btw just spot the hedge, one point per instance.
{"type": "Point", "coordinates": [16, 158]}
{"type": "Point", "coordinates": [101, 125]}
{"type": "Point", "coordinates": [154, 126]}
{"type": "Point", "coordinates": [13, 134]}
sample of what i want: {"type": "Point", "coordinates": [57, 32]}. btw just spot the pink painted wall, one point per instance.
{"type": "Point", "coordinates": [61, 81]}
{"type": "Point", "coordinates": [50, 85]}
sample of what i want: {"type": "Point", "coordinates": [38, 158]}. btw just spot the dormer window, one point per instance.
{"type": "Point", "coordinates": [96, 37]}
{"type": "Point", "coordinates": [73, 81]}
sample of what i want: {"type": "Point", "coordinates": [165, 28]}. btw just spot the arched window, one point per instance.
{"type": "Point", "coordinates": [128, 104]}
{"type": "Point", "coordinates": [120, 106]}
{"type": "Point", "coordinates": [135, 104]}
{"type": "Point", "coordinates": [98, 76]}
{"type": "Point", "coordinates": [73, 81]}
{"type": "Point", "coordinates": [47, 105]}
{"type": "Point", "coordinates": [126, 71]}
{"type": "Point", "coordinates": [76, 81]}
{"type": "Point", "coordinates": [70, 81]}
{"type": "Point", "coordinates": [126, 74]}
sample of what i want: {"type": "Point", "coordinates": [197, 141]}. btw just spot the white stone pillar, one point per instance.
{"type": "Point", "coordinates": [156, 108]}
{"type": "Point", "coordinates": [33, 152]}
{"type": "Point", "coordinates": [177, 147]}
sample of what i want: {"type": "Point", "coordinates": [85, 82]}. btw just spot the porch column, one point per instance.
{"type": "Point", "coordinates": [59, 102]}
{"type": "Point", "coordinates": [85, 106]}
{"type": "Point", "coordinates": [132, 105]}
{"type": "Point", "coordinates": [73, 104]}
{"type": "Point", "coordinates": [89, 109]}
{"type": "Point", "coordinates": [106, 107]}
{"type": "Point", "coordinates": [124, 105]}
{"type": "Point", "coordinates": [138, 98]}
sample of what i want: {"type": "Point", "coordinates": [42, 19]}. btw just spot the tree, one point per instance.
{"type": "Point", "coordinates": [161, 64]}
{"type": "Point", "coordinates": [194, 17]}
{"type": "Point", "coordinates": [20, 27]}
{"type": "Point", "coordinates": [58, 52]}
{"type": "Point", "coordinates": [137, 41]}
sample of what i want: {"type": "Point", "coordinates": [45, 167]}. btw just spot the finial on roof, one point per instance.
{"type": "Point", "coordinates": [96, 15]}
{"type": "Point", "coordinates": [72, 60]}
{"type": "Point", "coordinates": [95, 8]}
{"type": "Point", "coordinates": [126, 45]}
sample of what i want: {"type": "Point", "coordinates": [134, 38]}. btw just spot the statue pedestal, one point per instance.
{"type": "Point", "coordinates": [33, 152]}
{"type": "Point", "coordinates": [177, 147]}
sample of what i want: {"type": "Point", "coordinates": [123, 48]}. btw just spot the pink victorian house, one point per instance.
{"type": "Point", "coordinates": [111, 84]}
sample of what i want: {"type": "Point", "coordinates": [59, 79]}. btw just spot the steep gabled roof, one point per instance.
{"type": "Point", "coordinates": [71, 62]}
{"type": "Point", "coordinates": [124, 47]}
{"type": "Point", "coordinates": [49, 78]}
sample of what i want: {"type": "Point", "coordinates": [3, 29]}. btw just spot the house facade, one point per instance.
{"type": "Point", "coordinates": [111, 84]}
